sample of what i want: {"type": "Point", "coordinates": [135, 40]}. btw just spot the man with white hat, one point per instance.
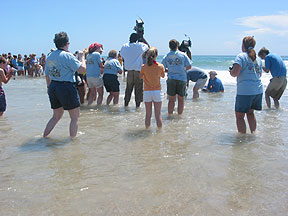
{"type": "Point", "coordinates": [214, 84]}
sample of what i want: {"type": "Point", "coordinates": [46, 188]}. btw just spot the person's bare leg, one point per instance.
{"type": "Point", "coordinates": [109, 98]}
{"type": "Point", "coordinates": [57, 115]}
{"type": "Point", "coordinates": [74, 115]}
{"type": "Point", "coordinates": [240, 122]}
{"type": "Point", "coordinates": [276, 103]}
{"type": "Point", "coordinates": [180, 104]}
{"type": "Point", "coordinates": [148, 107]}
{"type": "Point", "coordinates": [251, 120]}
{"type": "Point", "coordinates": [171, 104]}
{"type": "Point", "coordinates": [116, 97]}
{"type": "Point", "coordinates": [157, 112]}
{"type": "Point", "coordinates": [100, 92]}
{"type": "Point", "coordinates": [268, 102]}
{"type": "Point", "coordinates": [195, 93]}
{"type": "Point", "coordinates": [91, 96]}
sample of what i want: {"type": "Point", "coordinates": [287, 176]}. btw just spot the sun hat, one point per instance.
{"type": "Point", "coordinates": [213, 72]}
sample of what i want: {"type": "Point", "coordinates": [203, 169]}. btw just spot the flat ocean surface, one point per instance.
{"type": "Point", "coordinates": [197, 165]}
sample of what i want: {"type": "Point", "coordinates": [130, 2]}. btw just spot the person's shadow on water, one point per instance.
{"type": "Point", "coordinates": [44, 144]}
{"type": "Point", "coordinates": [136, 134]}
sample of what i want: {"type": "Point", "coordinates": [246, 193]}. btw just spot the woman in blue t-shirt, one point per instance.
{"type": "Point", "coordinates": [248, 69]}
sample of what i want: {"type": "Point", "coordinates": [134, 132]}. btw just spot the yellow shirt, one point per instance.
{"type": "Point", "coordinates": [151, 75]}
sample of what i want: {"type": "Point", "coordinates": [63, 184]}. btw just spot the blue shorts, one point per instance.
{"type": "Point", "coordinates": [111, 83]}
{"type": "Point", "coordinates": [244, 103]}
{"type": "Point", "coordinates": [63, 94]}
{"type": "Point", "coordinates": [2, 101]}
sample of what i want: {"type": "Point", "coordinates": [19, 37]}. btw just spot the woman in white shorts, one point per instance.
{"type": "Point", "coordinates": [94, 72]}
{"type": "Point", "coordinates": [152, 72]}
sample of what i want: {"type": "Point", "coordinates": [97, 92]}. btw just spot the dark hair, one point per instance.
{"type": "Point", "coordinates": [249, 44]}
{"type": "Point", "coordinates": [61, 39]}
{"type": "Point", "coordinates": [151, 54]}
{"type": "Point", "coordinates": [173, 44]}
{"type": "Point", "coordinates": [2, 60]}
{"type": "Point", "coordinates": [133, 37]}
{"type": "Point", "coordinates": [263, 51]}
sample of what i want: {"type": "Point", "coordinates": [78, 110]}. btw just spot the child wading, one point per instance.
{"type": "Point", "coordinates": [151, 72]}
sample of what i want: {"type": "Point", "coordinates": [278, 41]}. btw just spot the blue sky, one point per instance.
{"type": "Point", "coordinates": [216, 27]}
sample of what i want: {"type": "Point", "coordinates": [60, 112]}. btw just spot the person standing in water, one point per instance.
{"type": "Point", "coordinates": [111, 69]}
{"type": "Point", "coordinates": [176, 63]}
{"type": "Point", "coordinates": [132, 54]}
{"type": "Point", "coordinates": [151, 72]}
{"type": "Point", "coordinates": [60, 68]}
{"type": "Point", "coordinates": [94, 72]}
{"type": "Point", "coordinates": [248, 69]}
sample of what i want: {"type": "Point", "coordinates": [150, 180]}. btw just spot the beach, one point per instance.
{"type": "Point", "coordinates": [196, 165]}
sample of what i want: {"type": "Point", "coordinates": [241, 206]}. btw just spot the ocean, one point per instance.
{"type": "Point", "coordinates": [196, 165]}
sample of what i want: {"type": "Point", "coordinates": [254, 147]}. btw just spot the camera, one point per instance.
{"type": "Point", "coordinates": [230, 68]}
{"type": "Point", "coordinates": [184, 47]}
{"type": "Point", "coordinates": [139, 28]}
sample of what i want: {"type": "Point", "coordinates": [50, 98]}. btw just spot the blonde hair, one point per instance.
{"type": "Point", "coordinates": [249, 44]}
{"type": "Point", "coordinates": [151, 54]}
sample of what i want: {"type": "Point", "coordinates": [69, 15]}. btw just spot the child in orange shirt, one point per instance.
{"type": "Point", "coordinates": [152, 72]}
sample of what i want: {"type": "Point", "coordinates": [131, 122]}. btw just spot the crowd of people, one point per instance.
{"type": "Point", "coordinates": [25, 66]}
{"type": "Point", "coordinates": [63, 70]}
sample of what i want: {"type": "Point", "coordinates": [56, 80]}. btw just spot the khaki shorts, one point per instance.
{"type": "Point", "coordinates": [200, 83]}
{"type": "Point", "coordinates": [95, 82]}
{"type": "Point", "coordinates": [276, 87]}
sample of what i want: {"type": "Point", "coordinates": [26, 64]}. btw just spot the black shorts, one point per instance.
{"type": "Point", "coordinates": [2, 101]}
{"type": "Point", "coordinates": [111, 83]}
{"type": "Point", "coordinates": [176, 87]}
{"type": "Point", "coordinates": [63, 94]}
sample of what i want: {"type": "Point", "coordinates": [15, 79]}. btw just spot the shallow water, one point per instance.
{"type": "Point", "coordinates": [197, 164]}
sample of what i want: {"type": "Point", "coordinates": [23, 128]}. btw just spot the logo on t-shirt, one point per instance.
{"type": "Point", "coordinates": [90, 60]}
{"type": "Point", "coordinates": [174, 61]}
{"type": "Point", "coordinates": [52, 69]}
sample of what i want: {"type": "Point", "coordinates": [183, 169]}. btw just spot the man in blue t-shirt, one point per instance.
{"type": "Point", "coordinates": [214, 84]}
{"type": "Point", "coordinates": [275, 65]}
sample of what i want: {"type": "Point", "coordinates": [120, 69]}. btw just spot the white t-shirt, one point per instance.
{"type": "Point", "coordinates": [132, 54]}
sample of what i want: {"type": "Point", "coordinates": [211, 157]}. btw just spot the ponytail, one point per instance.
{"type": "Point", "coordinates": [249, 44]}
{"type": "Point", "coordinates": [252, 53]}
{"type": "Point", "coordinates": [152, 53]}
{"type": "Point", "coordinates": [150, 60]}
